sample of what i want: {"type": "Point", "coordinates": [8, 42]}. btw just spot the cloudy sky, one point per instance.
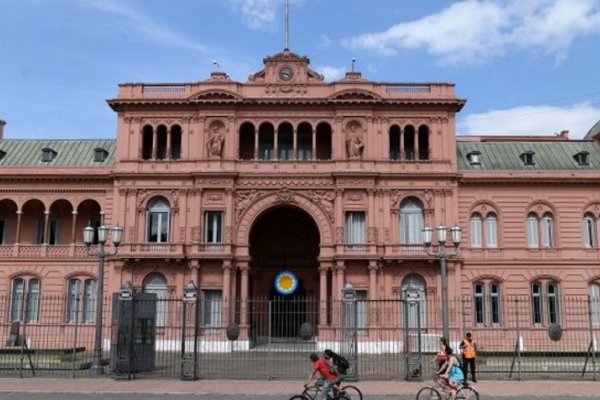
{"type": "Point", "coordinates": [526, 67]}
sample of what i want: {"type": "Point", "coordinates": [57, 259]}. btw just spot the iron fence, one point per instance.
{"type": "Point", "coordinates": [394, 339]}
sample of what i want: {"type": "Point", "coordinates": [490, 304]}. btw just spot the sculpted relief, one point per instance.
{"type": "Point", "coordinates": [354, 141]}
{"type": "Point", "coordinates": [214, 144]}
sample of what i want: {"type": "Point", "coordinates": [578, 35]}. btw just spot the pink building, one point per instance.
{"type": "Point", "coordinates": [227, 184]}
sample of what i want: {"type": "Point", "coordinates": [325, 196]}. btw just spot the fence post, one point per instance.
{"type": "Point", "coordinates": [518, 345]}
{"type": "Point", "coordinates": [349, 345]}
{"type": "Point", "coordinates": [591, 350]}
{"type": "Point", "coordinates": [464, 315]}
{"type": "Point", "coordinates": [189, 361]}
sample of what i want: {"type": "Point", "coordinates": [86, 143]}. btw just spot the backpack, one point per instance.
{"type": "Point", "coordinates": [342, 365]}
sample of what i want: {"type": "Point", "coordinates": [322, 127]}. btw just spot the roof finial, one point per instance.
{"type": "Point", "coordinates": [287, 24]}
{"type": "Point", "coordinates": [353, 61]}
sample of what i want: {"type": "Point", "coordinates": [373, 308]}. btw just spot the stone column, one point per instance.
{"type": "Point", "coordinates": [226, 290]}
{"type": "Point", "coordinates": [275, 145]}
{"type": "Point", "coordinates": [313, 132]}
{"type": "Point", "coordinates": [244, 294]}
{"type": "Point", "coordinates": [295, 145]}
{"type": "Point", "coordinates": [18, 234]}
{"type": "Point", "coordinates": [169, 136]}
{"type": "Point", "coordinates": [154, 142]}
{"type": "Point", "coordinates": [401, 139]}
{"type": "Point", "coordinates": [323, 295]}
{"type": "Point", "coordinates": [73, 226]}
{"type": "Point", "coordinates": [45, 233]}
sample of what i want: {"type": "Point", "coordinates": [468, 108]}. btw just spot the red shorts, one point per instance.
{"type": "Point", "coordinates": [450, 383]}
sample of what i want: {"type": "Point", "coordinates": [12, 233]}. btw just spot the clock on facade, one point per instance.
{"type": "Point", "coordinates": [286, 74]}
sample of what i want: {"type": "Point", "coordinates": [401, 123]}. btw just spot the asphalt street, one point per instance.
{"type": "Point", "coordinates": [187, 396]}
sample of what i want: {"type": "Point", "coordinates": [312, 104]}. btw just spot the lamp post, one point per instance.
{"type": "Point", "coordinates": [442, 254]}
{"type": "Point", "coordinates": [88, 237]}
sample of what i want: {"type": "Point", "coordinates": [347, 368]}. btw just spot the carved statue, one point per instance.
{"type": "Point", "coordinates": [214, 143]}
{"type": "Point", "coordinates": [354, 144]}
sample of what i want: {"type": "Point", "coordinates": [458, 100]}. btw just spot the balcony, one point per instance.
{"type": "Point", "coordinates": [152, 250]}
{"type": "Point", "coordinates": [405, 250]}
{"type": "Point", "coordinates": [208, 250]}
{"type": "Point", "coordinates": [42, 250]}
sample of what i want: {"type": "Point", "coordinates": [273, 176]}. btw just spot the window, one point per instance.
{"type": "Point", "coordinates": [487, 306]}
{"type": "Point", "coordinates": [582, 158]}
{"type": "Point", "coordinates": [53, 231]}
{"type": "Point", "coordinates": [476, 230]}
{"type": "Point", "coordinates": [411, 222]}
{"type": "Point", "coordinates": [213, 227]}
{"type": "Point", "coordinates": [157, 284]}
{"type": "Point", "coordinates": [594, 293]}
{"type": "Point", "coordinates": [532, 230]}
{"type": "Point", "coordinates": [479, 297]}
{"type": "Point", "coordinates": [3, 231]}
{"type": "Point", "coordinates": [413, 291]}
{"type": "Point", "coordinates": [211, 308]}
{"type": "Point", "coordinates": [355, 227]}
{"type": "Point", "coordinates": [100, 154]}
{"type": "Point", "coordinates": [548, 230]}
{"type": "Point", "coordinates": [81, 305]}
{"type": "Point", "coordinates": [2, 154]}
{"type": "Point", "coordinates": [528, 158]}
{"type": "Point", "coordinates": [157, 221]}
{"type": "Point", "coordinates": [491, 225]}
{"type": "Point", "coordinates": [545, 302]}
{"type": "Point", "coordinates": [474, 158]}
{"type": "Point", "coordinates": [48, 155]}
{"type": "Point", "coordinates": [25, 294]}
{"type": "Point", "coordinates": [362, 317]}
{"type": "Point", "coordinates": [589, 236]}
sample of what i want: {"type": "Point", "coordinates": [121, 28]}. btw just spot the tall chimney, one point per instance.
{"type": "Point", "coordinates": [2, 123]}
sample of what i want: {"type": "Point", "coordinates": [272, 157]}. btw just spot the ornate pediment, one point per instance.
{"type": "Point", "coordinates": [216, 95]}
{"type": "Point", "coordinates": [355, 95]}
{"type": "Point", "coordinates": [286, 68]}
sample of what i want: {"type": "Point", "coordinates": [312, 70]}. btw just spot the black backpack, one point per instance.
{"type": "Point", "coordinates": [342, 365]}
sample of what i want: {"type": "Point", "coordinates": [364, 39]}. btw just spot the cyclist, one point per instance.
{"type": "Point", "coordinates": [337, 363]}
{"type": "Point", "coordinates": [452, 372]}
{"type": "Point", "coordinates": [440, 358]}
{"type": "Point", "coordinates": [326, 377]}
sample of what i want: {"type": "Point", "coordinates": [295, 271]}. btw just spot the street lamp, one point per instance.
{"type": "Point", "coordinates": [88, 238]}
{"type": "Point", "coordinates": [442, 254]}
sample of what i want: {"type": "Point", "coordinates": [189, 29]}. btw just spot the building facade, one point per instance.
{"type": "Point", "coordinates": [288, 182]}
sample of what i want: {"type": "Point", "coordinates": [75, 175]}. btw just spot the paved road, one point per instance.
{"type": "Point", "coordinates": [187, 396]}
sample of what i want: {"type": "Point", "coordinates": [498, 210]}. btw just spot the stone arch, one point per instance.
{"type": "Point", "coordinates": [261, 204]}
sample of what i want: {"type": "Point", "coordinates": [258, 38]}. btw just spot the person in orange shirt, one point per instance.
{"type": "Point", "coordinates": [327, 376]}
{"type": "Point", "coordinates": [469, 352]}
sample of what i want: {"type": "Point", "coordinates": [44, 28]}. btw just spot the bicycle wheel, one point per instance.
{"type": "Point", "coordinates": [299, 397]}
{"type": "Point", "coordinates": [467, 393]}
{"type": "Point", "coordinates": [311, 392]}
{"type": "Point", "coordinates": [342, 396]}
{"type": "Point", "coordinates": [428, 393]}
{"type": "Point", "coordinates": [352, 392]}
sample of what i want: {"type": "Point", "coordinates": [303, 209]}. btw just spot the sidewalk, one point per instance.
{"type": "Point", "coordinates": [164, 386]}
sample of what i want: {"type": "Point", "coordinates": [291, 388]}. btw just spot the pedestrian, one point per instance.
{"type": "Point", "coordinates": [469, 352]}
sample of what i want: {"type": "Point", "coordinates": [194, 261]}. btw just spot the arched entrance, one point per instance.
{"type": "Point", "coordinates": [284, 244]}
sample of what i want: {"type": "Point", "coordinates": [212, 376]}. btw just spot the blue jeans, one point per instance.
{"type": "Point", "coordinates": [326, 384]}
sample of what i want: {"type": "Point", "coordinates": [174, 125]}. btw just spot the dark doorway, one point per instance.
{"type": "Point", "coordinates": [283, 238]}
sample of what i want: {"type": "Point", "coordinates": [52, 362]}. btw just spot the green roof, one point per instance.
{"type": "Point", "coordinates": [548, 156]}
{"type": "Point", "coordinates": [69, 153]}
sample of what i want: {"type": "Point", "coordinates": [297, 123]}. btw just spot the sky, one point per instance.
{"type": "Point", "coordinates": [525, 67]}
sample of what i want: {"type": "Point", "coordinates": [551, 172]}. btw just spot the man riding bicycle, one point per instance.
{"type": "Point", "coordinates": [327, 378]}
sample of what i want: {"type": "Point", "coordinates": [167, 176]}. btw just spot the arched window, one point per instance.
{"type": "Point", "coordinates": [81, 301]}
{"type": "Point", "coordinates": [487, 303]}
{"type": "Point", "coordinates": [25, 295]}
{"type": "Point", "coordinates": [589, 230]}
{"type": "Point", "coordinates": [532, 230]}
{"type": "Point", "coordinates": [491, 230]}
{"type": "Point", "coordinates": [394, 142]}
{"type": "Point", "coordinates": [157, 284]}
{"type": "Point", "coordinates": [157, 221]}
{"type": "Point", "coordinates": [423, 142]}
{"type": "Point", "coordinates": [266, 142]}
{"type": "Point", "coordinates": [413, 291]}
{"type": "Point", "coordinates": [545, 302]}
{"type": "Point", "coordinates": [476, 230]}
{"type": "Point", "coordinates": [548, 230]}
{"type": "Point", "coordinates": [175, 142]}
{"type": "Point", "coordinates": [411, 221]}
{"type": "Point", "coordinates": [147, 142]}
{"type": "Point", "coordinates": [161, 142]}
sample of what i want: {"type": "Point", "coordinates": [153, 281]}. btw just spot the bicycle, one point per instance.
{"type": "Point", "coordinates": [439, 391]}
{"type": "Point", "coordinates": [348, 392]}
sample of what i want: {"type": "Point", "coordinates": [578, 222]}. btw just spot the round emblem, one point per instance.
{"type": "Point", "coordinates": [286, 74]}
{"type": "Point", "coordinates": [286, 283]}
